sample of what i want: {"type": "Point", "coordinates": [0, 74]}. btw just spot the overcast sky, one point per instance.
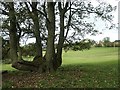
{"type": "Point", "coordinates": [113, 34]}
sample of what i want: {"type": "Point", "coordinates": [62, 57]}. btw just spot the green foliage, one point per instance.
{"type": "Point", "coordinates": [116, 43]}
{"type": "Point", "coordinates": [82, 45]}
{"type": "Point", "coordinates": [98, 45]}
{"type": "Point", "coordinates": [106, 41]}
{"type": "Point", "coordinates": [29, 50]}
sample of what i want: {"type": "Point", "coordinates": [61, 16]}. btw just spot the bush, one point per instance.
{"type": "Point", "coordinates": [28, 50]}
{"type": "Point", "coordinates": [98, 45]}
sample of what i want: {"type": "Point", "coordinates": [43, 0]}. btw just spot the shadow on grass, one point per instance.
{"type": "Point", "coordinates": [101, 75]}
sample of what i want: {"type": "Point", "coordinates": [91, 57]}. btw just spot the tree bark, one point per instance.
{"type": "Point", "coordinates": [51, 61]}
{"type": "Point", "coordinates": [61, 36]}
{"type": "Point", "coordinates": [61, 40]}
{"type": "Point", "coordinates": [13, 33]}
{"type": "Point", "coordinates": [50, 52]}
{"type": "Point", "coordinates": [18, 44]}
{"type": "Point", "coordinates": [36, 29]}
{"type": "Point", "coordinates": [37, 65]}
{"type": "Point", "coordinates": [38, 62]}
{"type": "Point", "coordinates": [20, 53]}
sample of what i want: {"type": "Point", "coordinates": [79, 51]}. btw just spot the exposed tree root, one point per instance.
{"type": "Point", "coordinates": [39, 64]}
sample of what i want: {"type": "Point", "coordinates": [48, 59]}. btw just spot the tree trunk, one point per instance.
{"type": "Point", "coordinates": [49, 61]}
{"type": "Point", "coordinates": [20, 53]}
{"type": "Point", "coordinates": [50, 52]}
{"type": "Point", "coordinates": [61, 36]}
{"type": "Point", "coordinates": [37, 64]}
{"type": "Point", "coordinates": [18, 47]}
{"type": "Point", "coordinates": [36, 29]}
{"type": "Point", "coordinates": [61, 40]}
{"type": "Point", "coordinates": [1, 49]}
{"type": "Point", "coordinates": [13, 33]}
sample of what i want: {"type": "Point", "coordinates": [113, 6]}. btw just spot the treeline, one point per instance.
{"type": "Point", "coordinates": [107, 43]}
{"type": "Point", "coordinates": [29, 49]}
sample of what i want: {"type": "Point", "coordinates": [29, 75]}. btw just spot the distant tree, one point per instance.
{"type": "Point", "coordinates": [116, 43]}
{"type": "Point", "coordinates": [106, 41]}
{"type": "Point", "coordinates": [28, 50]}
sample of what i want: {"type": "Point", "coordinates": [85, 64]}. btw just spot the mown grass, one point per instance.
{"type": "Point", "coordinates": [95, 55]}
{"type": "Point", "coordinates": [95, 68]}
{"type": "Point", "coordinates": [78, 79]}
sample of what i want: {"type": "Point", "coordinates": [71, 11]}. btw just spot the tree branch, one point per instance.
{"type": "Point", "coordinates": [4, 12]}
{"type": "Point", "coordinates": [59, 6]}
{"type": "Point", "coordinates": [40, 12]}
{"type": "Point", "coordinates": [27, 7]}
{"type": "Point", "coordinates": [4, 4]}
{"type": "Point", "coordinates": [19, 30]}
{"type": "Point", "coordinates": [66, 6]}
{"type": "Point", "coordinates": [44, 9]}
{"type": "Point", "coordinates": [69, 22]}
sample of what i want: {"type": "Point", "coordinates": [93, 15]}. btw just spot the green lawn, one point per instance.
{"type": "Point", "coordinates": [93, 56]}
{"type": "Point", "coordinates": [97, 67]}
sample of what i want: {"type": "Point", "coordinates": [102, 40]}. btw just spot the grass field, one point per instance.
{"type": "Point", "coordinates": [94, 68]}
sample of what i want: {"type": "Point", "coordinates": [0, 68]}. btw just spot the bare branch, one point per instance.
{"type": "Point", "coordinates": [69, 22]}
{"type": "Point", "coordinates": [59, 6]}
{"type": "Point", "coordinates": [66, 6]}
{"type": "Point", "coordinates": [40, 12]}
{"type": "Point", "coordinates": [27, 7]}
{"type": "Point", "coordinates": [44, 9]}
{"type": "Point", "coordinates": [4, 12]}
{"type": "Point", "coordinates": [4, 4]}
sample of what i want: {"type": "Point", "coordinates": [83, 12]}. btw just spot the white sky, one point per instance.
{"type": "Point", "coordinates": [113, 34]}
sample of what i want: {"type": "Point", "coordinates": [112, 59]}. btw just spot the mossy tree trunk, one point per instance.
{"type": "Point", "coordinates": [50, 51]}
{"type": "Point", "coordinates": [37, 63]}
{"type": "Point", "coordinates": [36, 29]}
{"type": "Point", "coordinates": [13, 33]}
{"type": "Point", "coordinates": [62, 12]}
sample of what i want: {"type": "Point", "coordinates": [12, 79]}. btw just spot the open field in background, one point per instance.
{"type": "Point", "coordinates": [92, 56]}
{"type": "Point", "coordinates": [97, 67]}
